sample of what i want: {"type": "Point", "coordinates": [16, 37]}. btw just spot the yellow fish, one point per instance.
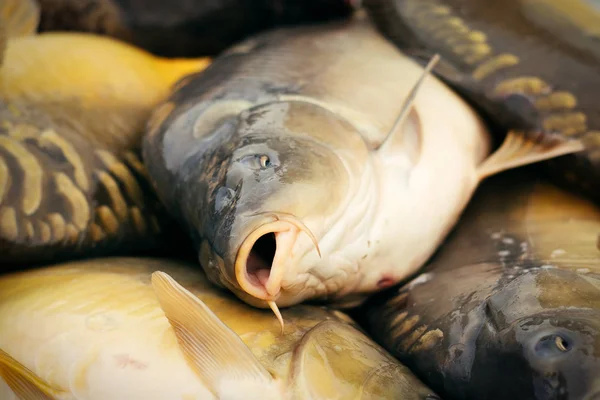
{"type": "Point", "coordinates": [73, 107]}
{"type": "Point", "coordinates": [142, 328]}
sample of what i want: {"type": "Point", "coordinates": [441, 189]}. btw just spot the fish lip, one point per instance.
{"type": "Point", "coordinates": [286, 228]}
{"type": "Point", "coordinates": [271, 290]}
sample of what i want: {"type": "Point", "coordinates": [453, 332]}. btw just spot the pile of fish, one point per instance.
{"type": "Point", "coordinates": [386, 199]}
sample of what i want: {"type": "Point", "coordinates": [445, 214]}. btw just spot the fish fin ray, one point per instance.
{"type": "Point", "coordinates": [24, 382]}
{"type": "Point", "coordinates": [212, 349]}
{"type": "Point", "coordinates": [407, 106]}
{"type": "Point", "coordinates": [520, 149]}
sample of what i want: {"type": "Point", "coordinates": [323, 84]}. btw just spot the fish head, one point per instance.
{"type": "Point", "coordinates": [336, 360]}
{"type": "Point", "coordinates": [542, 336]}
{"type": "Point", "coordinates": [279, 181]}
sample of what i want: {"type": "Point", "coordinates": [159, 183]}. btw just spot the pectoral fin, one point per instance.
{"type": "Point", "coordinates": [213, 350]}
{"type": "Point", "coordinates": [407, 106]}
{"type": "Point", "coordinates": [23, 382]}
{"type": "Point", "coordinates": [519, 149]}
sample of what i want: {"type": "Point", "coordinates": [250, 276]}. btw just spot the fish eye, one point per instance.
{"type": "Point", "coordinates": [265, 161]}
{"type": "Point", "coordinates": [562, 344]}
{"type": "Point", "coordinates": [258, 161]}
{"type": "Point", "coordinates": [551, 345]}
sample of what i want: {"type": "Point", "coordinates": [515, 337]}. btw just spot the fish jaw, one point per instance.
{"type": "Point", "coordinates": [334, 272]}
{"type": "Point", "coordinates": [308, 258]}
{"type": "Point", "coordinates": [261, 275]}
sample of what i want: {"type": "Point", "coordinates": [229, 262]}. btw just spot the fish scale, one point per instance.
{"type": "Point", "coordinates": [117, 332]}
{"type": "Point", "coordinates": [509, 302]}
{"type": "Point", "coordinates": [539, 69]}
{"type": "Point", "coordinates": [69, 185]}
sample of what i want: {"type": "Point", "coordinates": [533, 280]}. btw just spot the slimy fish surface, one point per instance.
{"type": "Point", "coordinates": [154, 329]}
{"type": "Point", "coordinates": [72, 112]}
{"type": "Point", "coordinates": [320, 163]}
{"type": "Point", "coordinates": [531, 65]}
{"type": "Point", "coordinates": [509, 307]}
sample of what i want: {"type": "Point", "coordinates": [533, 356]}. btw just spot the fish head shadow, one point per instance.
{"type": "Point", "coordinates": [541, 337]}
{"type": "Point", "coordinates": [262, 195]}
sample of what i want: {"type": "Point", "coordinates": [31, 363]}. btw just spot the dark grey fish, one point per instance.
{"type": "Point", "coordinates": [283, 161]}
{"type": "Point", "coordinates": [509, 307]}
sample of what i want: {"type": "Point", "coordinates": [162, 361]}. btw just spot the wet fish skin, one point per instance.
{"type": "Point", "coordinates": [107, 328]}
{"type": "Point", "coordinates": [525, 64]}
{"type": "Point", "coordinates": [509, 307]}
{"type": "Point", "coordinates": [276, 167]}
{"type": "Point", "coordinates": [72, 182]}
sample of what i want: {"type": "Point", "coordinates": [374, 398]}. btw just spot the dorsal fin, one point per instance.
{"type": "Point", "coordinates": [217, 354]}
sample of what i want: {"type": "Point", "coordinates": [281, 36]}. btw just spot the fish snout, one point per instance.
{"type": "Point", "coordinates": [266, 254]}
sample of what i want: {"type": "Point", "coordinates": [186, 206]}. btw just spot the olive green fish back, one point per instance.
{"type": "Point", "coordinates": [531, 65]}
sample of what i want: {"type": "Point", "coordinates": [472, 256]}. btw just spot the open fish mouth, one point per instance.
{"type": "Point", "coordinates": [265, 254]}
